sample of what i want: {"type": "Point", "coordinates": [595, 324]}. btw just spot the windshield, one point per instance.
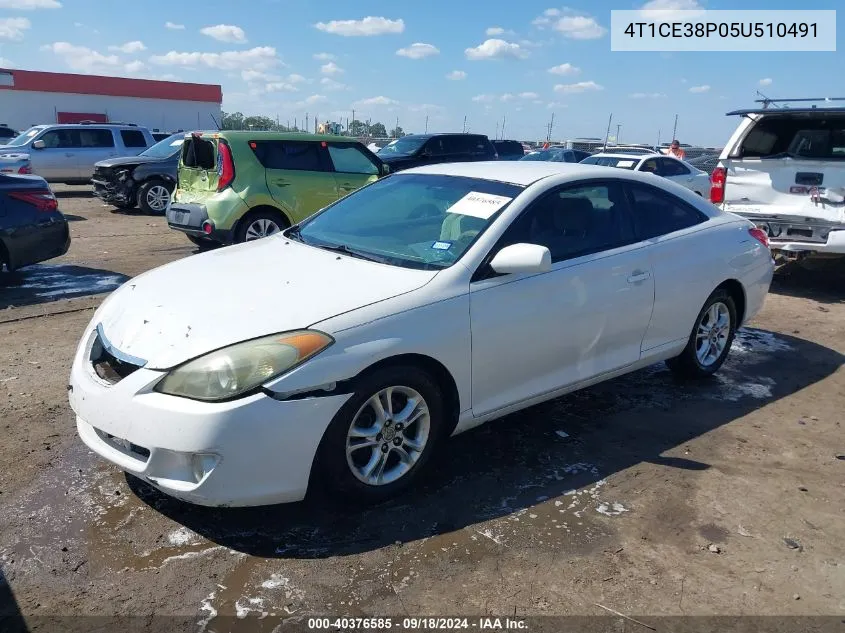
{"type": "Point", "coordinates": [424, 221]}
{"type": "Point", "coordinates": [166, 148]}
{"type": "Point", "coordinates": [554, 155]}
{"type": "Point", "coordinates": [407, 145]}
{"type": "Point", "coordinates": [25, 137]}
{"type": "Point", "coordinates": [611, 161]}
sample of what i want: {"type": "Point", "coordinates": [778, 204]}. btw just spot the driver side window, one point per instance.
{"type": "Point", "coordinates": [576, 221]}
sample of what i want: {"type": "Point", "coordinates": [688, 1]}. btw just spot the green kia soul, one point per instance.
{"type": "Point", "coordinates": [239, 186]}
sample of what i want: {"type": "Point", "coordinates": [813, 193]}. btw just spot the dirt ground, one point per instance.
{"type": "Point", "coordinates": [644, 495]}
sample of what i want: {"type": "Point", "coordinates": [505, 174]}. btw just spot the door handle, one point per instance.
{"type": "Point", "coordinates": [638, 276]}
{"type": "Point", "coordinates": [281, 183]}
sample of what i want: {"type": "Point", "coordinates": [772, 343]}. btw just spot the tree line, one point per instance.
{"type": "Point", "coordinates": [237, 121]}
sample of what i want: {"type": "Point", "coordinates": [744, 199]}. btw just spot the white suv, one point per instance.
{"type": "Point", "coordinates": [67, 152]}
{"type": "Point", "coordinates": [784, 169]}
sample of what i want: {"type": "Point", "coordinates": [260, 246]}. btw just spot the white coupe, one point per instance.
{"type": "Point", "coordinates": [667, 167]}
{"type": "Point", "coordinates": [346, 348]}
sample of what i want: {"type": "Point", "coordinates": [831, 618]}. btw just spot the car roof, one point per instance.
{"type": "Point", "coordinates": [623, 155]}
{"type": "Point", "coordinates": [85, 126]}
{"type": "Point", "coordinates": [515, 172]}
{"type": "Point", "coordinates": [783, 111]}
{"type": "Point", "coordinates": [257, 135]}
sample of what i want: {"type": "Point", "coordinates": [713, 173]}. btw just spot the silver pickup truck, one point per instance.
{"type": "Point", "coordinates": [66, 153]}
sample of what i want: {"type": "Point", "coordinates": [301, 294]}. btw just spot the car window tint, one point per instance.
{"type": "Point", "coordinates": [349, 159]}
{"type": "Point", "coordinates": [94, 138]}
{"type": "Point", "coordinates": [820, 136]}
{"type": "Point", "coordinates": [60, 139]}
{"type": "Point", "coordinates": [289, 155]}
{"type": "Point", "coordinates": [576, 221]}
{"type": "Point", "coordinates": [435, 146]}
{"type": "Point", "coordinates": [650, 166]}
{"type": "Point", "coordinates": [133, 138]}
{"type": "Point", "coordinates": [671, 167]}
{"type": "Point", "coordinates": [659, 213]}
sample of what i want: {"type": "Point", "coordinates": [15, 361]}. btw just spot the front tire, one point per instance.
{"type": "Point", "coordinates": [383, 436]}
{"type": "Point", "coordinates": [153, 197]}
{"type": "Point", "coordinates": [711, 338]}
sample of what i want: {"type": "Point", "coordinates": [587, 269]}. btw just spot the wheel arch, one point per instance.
{"type": "Point", "coordinates": [432, 366]}
{"type": "Point", "coordinates": [737, 292]}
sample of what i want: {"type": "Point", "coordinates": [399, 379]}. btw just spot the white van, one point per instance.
{"type": "Point", "coordinates": [784, 169]}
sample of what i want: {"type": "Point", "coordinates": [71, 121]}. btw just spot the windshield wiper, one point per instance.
{"type": "Point", "coordinates": [294, 233]}
{"type": "Point", "coordinates": [343, 248]}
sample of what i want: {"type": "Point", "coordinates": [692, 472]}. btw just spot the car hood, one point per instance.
{"type": "Point", "coordinates": [199, 304]}
{"type": "Point", "coordinates": [128, 160]}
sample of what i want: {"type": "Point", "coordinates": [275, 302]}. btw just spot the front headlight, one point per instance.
{"type": "Point", "coordinates": [234, 370]}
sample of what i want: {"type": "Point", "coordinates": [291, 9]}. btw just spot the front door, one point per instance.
{"type": "Point", "coordinates": [95, 144]}
{"type": "Point", "coordinates": [353, 168]}
{"type": "Point", "coordinates": [299, 176]}
{"type": "Point", "coordinates": [534, 334]}
{"type": "Point", "coordinates": [58, 160]}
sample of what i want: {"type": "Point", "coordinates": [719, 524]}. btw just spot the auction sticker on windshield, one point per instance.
{"type": "Point", "coordinates": [479, 205]}
{"type": "Point", "coordinates": [625, 163]}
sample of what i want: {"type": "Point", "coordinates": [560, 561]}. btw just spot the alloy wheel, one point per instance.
{"type": "Point", "coordinates": [157, 198]}
{"type": "Point", "coordinates": [712, 334]}
{"type": "Point", "coordinates": [261, 227]}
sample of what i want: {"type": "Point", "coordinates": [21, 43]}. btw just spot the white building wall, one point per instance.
{"type": "Point", "coordinates": [21, 109]}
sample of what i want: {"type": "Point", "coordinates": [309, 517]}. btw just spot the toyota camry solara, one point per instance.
{"type": "Point", "coordinates": [347, 348]}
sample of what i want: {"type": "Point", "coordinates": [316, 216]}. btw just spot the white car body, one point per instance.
{"type": "Point", "coordinates": [506, 342]}
{"type": "Point", "coordinates": [799, 201]}
{"type": "Point", "coordinates": [692, 178]}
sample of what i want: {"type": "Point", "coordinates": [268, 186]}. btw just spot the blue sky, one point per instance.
{"type": "Point", "coordinates": [481, 59]}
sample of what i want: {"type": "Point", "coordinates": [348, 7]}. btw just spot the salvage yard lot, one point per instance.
{"type": "Point", "coordinates": [649, 496]}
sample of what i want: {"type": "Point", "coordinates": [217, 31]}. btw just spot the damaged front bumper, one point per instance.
{"type": "Point", "coordinates": [117, 188]}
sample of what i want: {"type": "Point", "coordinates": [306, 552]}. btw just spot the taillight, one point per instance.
{"type": "Point", "coordinates": [717, 185]}
{"type": "Point", "coordinates": [225, 166]}
{"type": "Point", "coordinates": [26, 169]}
{"type": "Point", "coordinates": [759, 235]}
{"type": "Point", "coordinates": [41, 199]}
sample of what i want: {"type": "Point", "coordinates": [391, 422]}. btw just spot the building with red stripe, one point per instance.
{"type": "Point", "coordinates": [31, 98]}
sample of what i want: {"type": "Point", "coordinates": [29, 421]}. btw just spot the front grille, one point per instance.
{"type": "Point", "coordinates": [108, 364]}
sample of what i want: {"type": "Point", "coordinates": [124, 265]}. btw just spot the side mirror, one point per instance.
{"type": "Point", "coordinates": [38, 145]}
{"type": "Point", "coordinates": [522, 258]}
{"type": "Point", "coordinates": [384, 170]}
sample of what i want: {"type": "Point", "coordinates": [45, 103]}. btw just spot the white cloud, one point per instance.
{"type": "Point", "coordinates": [700, 89]}
{"type": "Point", "coordinates": [556, 104]}
{"type": "Point", "coordinates": [579, 27]}
{"type": "Point", "coordinates": [280, 86]}
{"type": "Point", "coordinates": [13, 28]}
{"type": "Point", "coordinates": [581, 86]}
{"type": "Point", "coordinates": [135, 67]}
{"type": "Point", "coordinates": [83, 59]}
{"type": "Point", "coordinates": [528, 95]}
{"type": "Point", "coordinates": [324, 57]}
{"type": "Point", "coordinates": [765, 82]}
{"type": "Point", "coordinates": [667, 10]}
{"type": "Point", "coordinates": [29, 5]}
{"type": "Point", "coordinates": [313, 100]}
{"type": "Point", "coordinates": [456, 75]}
{"type": "Point", "coordinates": [174, 27]}
{"type": "Point", "coordinates": [647, 95]}
{"type": "Point", "coordinates": [250, 75]}
{"type": "Point", "coordinates": [5, 63]}
{"type": "Point", "coordinates": [330, 84]}
{"type": "Point", "coordinates": [331, 68]}
{"type": "Point", "coordinates": [507, 97]}
{"type": "Point", "coordinates": [418, 50]}
{"type": "Point", "coordinates": [130, 47]}
{"type": "Point", "coordinates": [426, 107]}
{"type": "Point", "coordinates": [296, 79]}
{"type": "Point", "coordinates": [376, 101]}
{"type": "Point", "coordinates": [483, 98]}
{"type": "Point", "coordinates": [512, 97]}
{"type": "Point", "coordinates": [225, 33]}
{"type": "Point", "coordinates": [496, 49]}
{"type": "Point", "coordinates": [546, 19]}
{"type": "Point", "coordinates": [362, 28]}
{"type": "Point", "coordinates": [564, 69]}
{"type": "Point", "coordinates": [258, 58]}
{"type": "Point", "coordinates": [498, 30]}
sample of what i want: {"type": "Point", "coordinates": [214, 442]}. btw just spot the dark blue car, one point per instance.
{"type": "Point", "coordinates": [32, 229]}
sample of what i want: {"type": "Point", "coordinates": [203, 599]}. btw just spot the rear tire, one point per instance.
{"type": "Point", "coordinates": [393, 442]}
{"type": "Point", "coordinates": [711, 338]}
{"type": "Point", "coordinates": [261, 223]}
{"type": "Point", "coordinates": [153, 197]}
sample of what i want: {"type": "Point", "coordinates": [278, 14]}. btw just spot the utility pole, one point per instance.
{"type": "Point", "coordinates": [504, 117]}
{"type": "Point", "coordinates": [396, 128]}
{"type": "Point", "coordinates": [294, 124]}
{"type": "Point", "coordinates": [658, 138]}
{"type": "Point", "coordinates": [607, 133]}
{"type": "Point", "coordinates": [353, 122]}
{"type": "Point", "coordinates": [307, 118]}
{"type": "Point", "coordinates": [465, 123]}
{"type": "Point", "coordinates": [497, 131]}
{"type": "Point", "coordinates": [675, 129]}
{"type": "Point", "coordinates": [426, 124]}
{"type": "Point", "coordinates": [618, 127]}
{"type": "Point", "coordinates": [551, 125]}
